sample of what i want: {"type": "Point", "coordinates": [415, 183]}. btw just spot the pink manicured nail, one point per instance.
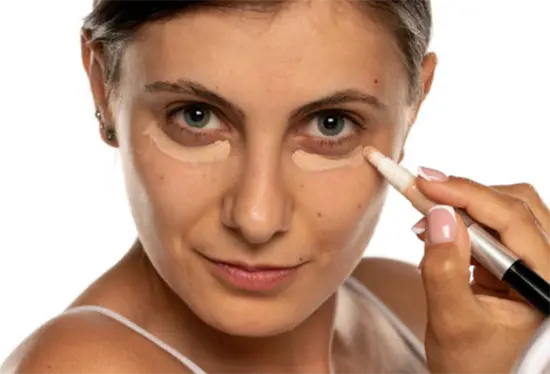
{"type": "Point", "coordinates": [431, 174]}
{"type": "Point", "coordinates": [441, 225]}
{"type": "Point", "coordinates": [419, 227]}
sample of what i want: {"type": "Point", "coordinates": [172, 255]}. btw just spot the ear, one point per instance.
{"type": "Point", "coordinates": [427, 76]}
{"type": "Point", "coordinates": [429, 65]}
{"type": "Point", "coordinates": [94, 65]}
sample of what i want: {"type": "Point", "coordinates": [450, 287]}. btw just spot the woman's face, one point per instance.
{"type": "Point", "coordinates": [239, 134]}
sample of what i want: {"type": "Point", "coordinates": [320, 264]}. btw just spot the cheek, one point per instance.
{"type": "Point", "coordinates": [178, 195]}
{"type": "Point", "coordinates": [343, 208]}
{"type": "Point", "coordinates": [168, 196]}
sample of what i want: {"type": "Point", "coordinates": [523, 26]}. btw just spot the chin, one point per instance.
{"type": "Point", "coordinates": [253, 318]}
{"type": "Point", "coordinates": [259, 326]}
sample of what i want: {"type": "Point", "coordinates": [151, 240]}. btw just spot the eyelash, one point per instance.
{"type": "Point", "coordinates": [171, 114]}
{"type": "Point", "coordinates": [359, 125]}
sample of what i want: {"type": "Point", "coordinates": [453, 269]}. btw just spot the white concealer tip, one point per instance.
{"type": "Point", "coordinates": [397, 175]}
{"type": "Point", "coordinates": [447, 208]}
{"type": "Point", "coordinates": [372, 155]}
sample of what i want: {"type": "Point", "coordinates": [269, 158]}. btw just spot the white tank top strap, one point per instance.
{"type": "Point", "coordinates": [414, 344]}
{"type": "Point", "coordinates": [410, 339]}
{"type": "Point", "coordinates": [147, 335]}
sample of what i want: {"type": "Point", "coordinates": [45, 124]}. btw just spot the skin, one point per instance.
{"type": "Point", "coordinates": [315, 163]}
{"type": "Point", "coordinates": [495, 322]}
{"type": "Point", "coordinates": [258, 206]}
{"type": "Point", "coordinates": [213, 152]}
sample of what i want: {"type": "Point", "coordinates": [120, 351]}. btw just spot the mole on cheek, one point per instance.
{"type": "Point", "coordinates": [319, 214]}
{"type": "Point", "coordinates": [359, 206]}
{"type": "Point", "coordinates": [376, 81]}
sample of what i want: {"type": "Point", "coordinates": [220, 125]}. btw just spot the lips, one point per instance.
{"type": "Point", "coordinates": [257, 277]}
{"type": "Point", "coordinates": [253, 268]}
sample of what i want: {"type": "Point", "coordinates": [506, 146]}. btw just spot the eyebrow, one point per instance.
{"type": "Point", "coordinates": [341, 97]}
{"type": "Point", "coordinates": [188, 87]}
{"type": "Point", "coordinates": [195, 89]}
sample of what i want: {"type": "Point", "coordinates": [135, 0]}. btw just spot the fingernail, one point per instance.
{"type": "Point", "coordinates": [431, 174]}
{"type": "Point", "coordinates": [441, 225]}
{"type": "Point", "coordinates": [419, 227]}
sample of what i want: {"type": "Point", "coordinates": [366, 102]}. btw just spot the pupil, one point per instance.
{"type": "Point", "coordinates": [196, 117]}
{"type": "Point", "coordinates": [331, 125]}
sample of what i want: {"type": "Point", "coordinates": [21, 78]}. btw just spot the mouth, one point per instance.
{"type": "Point", "coordinates": [252, 277]}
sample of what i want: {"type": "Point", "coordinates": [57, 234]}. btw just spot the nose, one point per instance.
{"type": "Point", "coordinates": [259, 207]}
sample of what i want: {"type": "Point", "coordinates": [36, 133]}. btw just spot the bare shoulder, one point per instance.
{"type": "Point", "coordinates": [87, 342]}
{"type": "Point", "coordinates": [399, 285]}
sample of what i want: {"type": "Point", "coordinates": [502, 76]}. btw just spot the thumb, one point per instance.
{"type": "Point", "coordinates": [445, 271]}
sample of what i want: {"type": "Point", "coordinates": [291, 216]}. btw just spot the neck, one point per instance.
{"type": "Point", "coordinates": [305, 349]}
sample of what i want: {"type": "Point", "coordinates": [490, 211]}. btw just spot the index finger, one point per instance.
{"type": "Point", "coordinates": [527, 193]}
{"type": "Point", "coordinates": [511, 218]}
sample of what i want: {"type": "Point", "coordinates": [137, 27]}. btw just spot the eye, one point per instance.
{"type": "Point", "coordinates": [331, 125]}
{"type": "Point", "coordinates": [196, 117]}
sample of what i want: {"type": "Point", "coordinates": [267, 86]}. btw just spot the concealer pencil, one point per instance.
{"type": "Point", "coordinates": [486, 249]}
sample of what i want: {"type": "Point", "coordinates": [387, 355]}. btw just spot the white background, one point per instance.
{"type": "Point", "coordinates": [63, 214]}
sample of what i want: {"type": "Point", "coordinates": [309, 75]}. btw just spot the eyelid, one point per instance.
{"type": "Point", "coordinates": [357, 122]}
{"type": "Point", "coordinates": [357, 119]}
{"type": "Point", "coordinates": [352, 116]}
{"type": "Point", "coordinates": [174, 108]}
{"type": "Point", "coordinates": [231, 120]}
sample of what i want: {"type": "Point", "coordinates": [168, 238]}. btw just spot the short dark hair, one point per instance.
{"type": "Point", "coordinates": [113, 23]}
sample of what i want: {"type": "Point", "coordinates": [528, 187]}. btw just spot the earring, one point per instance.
{"type": "Point", "coordinates": [111, 133]}
{"type": "Point", "coordinates": [99, 118]}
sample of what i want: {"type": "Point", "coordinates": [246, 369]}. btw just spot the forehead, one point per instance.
{"type": "Point", "coordinates": [304, 49]}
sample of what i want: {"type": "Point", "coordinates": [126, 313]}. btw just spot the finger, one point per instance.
{"type": "Point", "coordinates": [482, 281]}
{"type": "Point", "coordinates": [510, 217]}
{"type": "Point", "coordinates": [478, 290]}
{"type": "Point", "coordinates": [474, 262]}
{"type": "Point", "coordinates": [419, 229]}
{"type": "Point", "coordinates": [484, 278]}
{"type": "Point", "coordinates": [452, 306]}
{"type": "Point", "coordinates": [487, 284]}
{"type": "Point", "coordinates": [529, 195]}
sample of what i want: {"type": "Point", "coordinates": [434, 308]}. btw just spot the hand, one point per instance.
{"type": "Point", "coordinates": [479, 326]}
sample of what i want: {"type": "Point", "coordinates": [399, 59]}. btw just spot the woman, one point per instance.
{"type": "Point", "coordinates": [237, 123]}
